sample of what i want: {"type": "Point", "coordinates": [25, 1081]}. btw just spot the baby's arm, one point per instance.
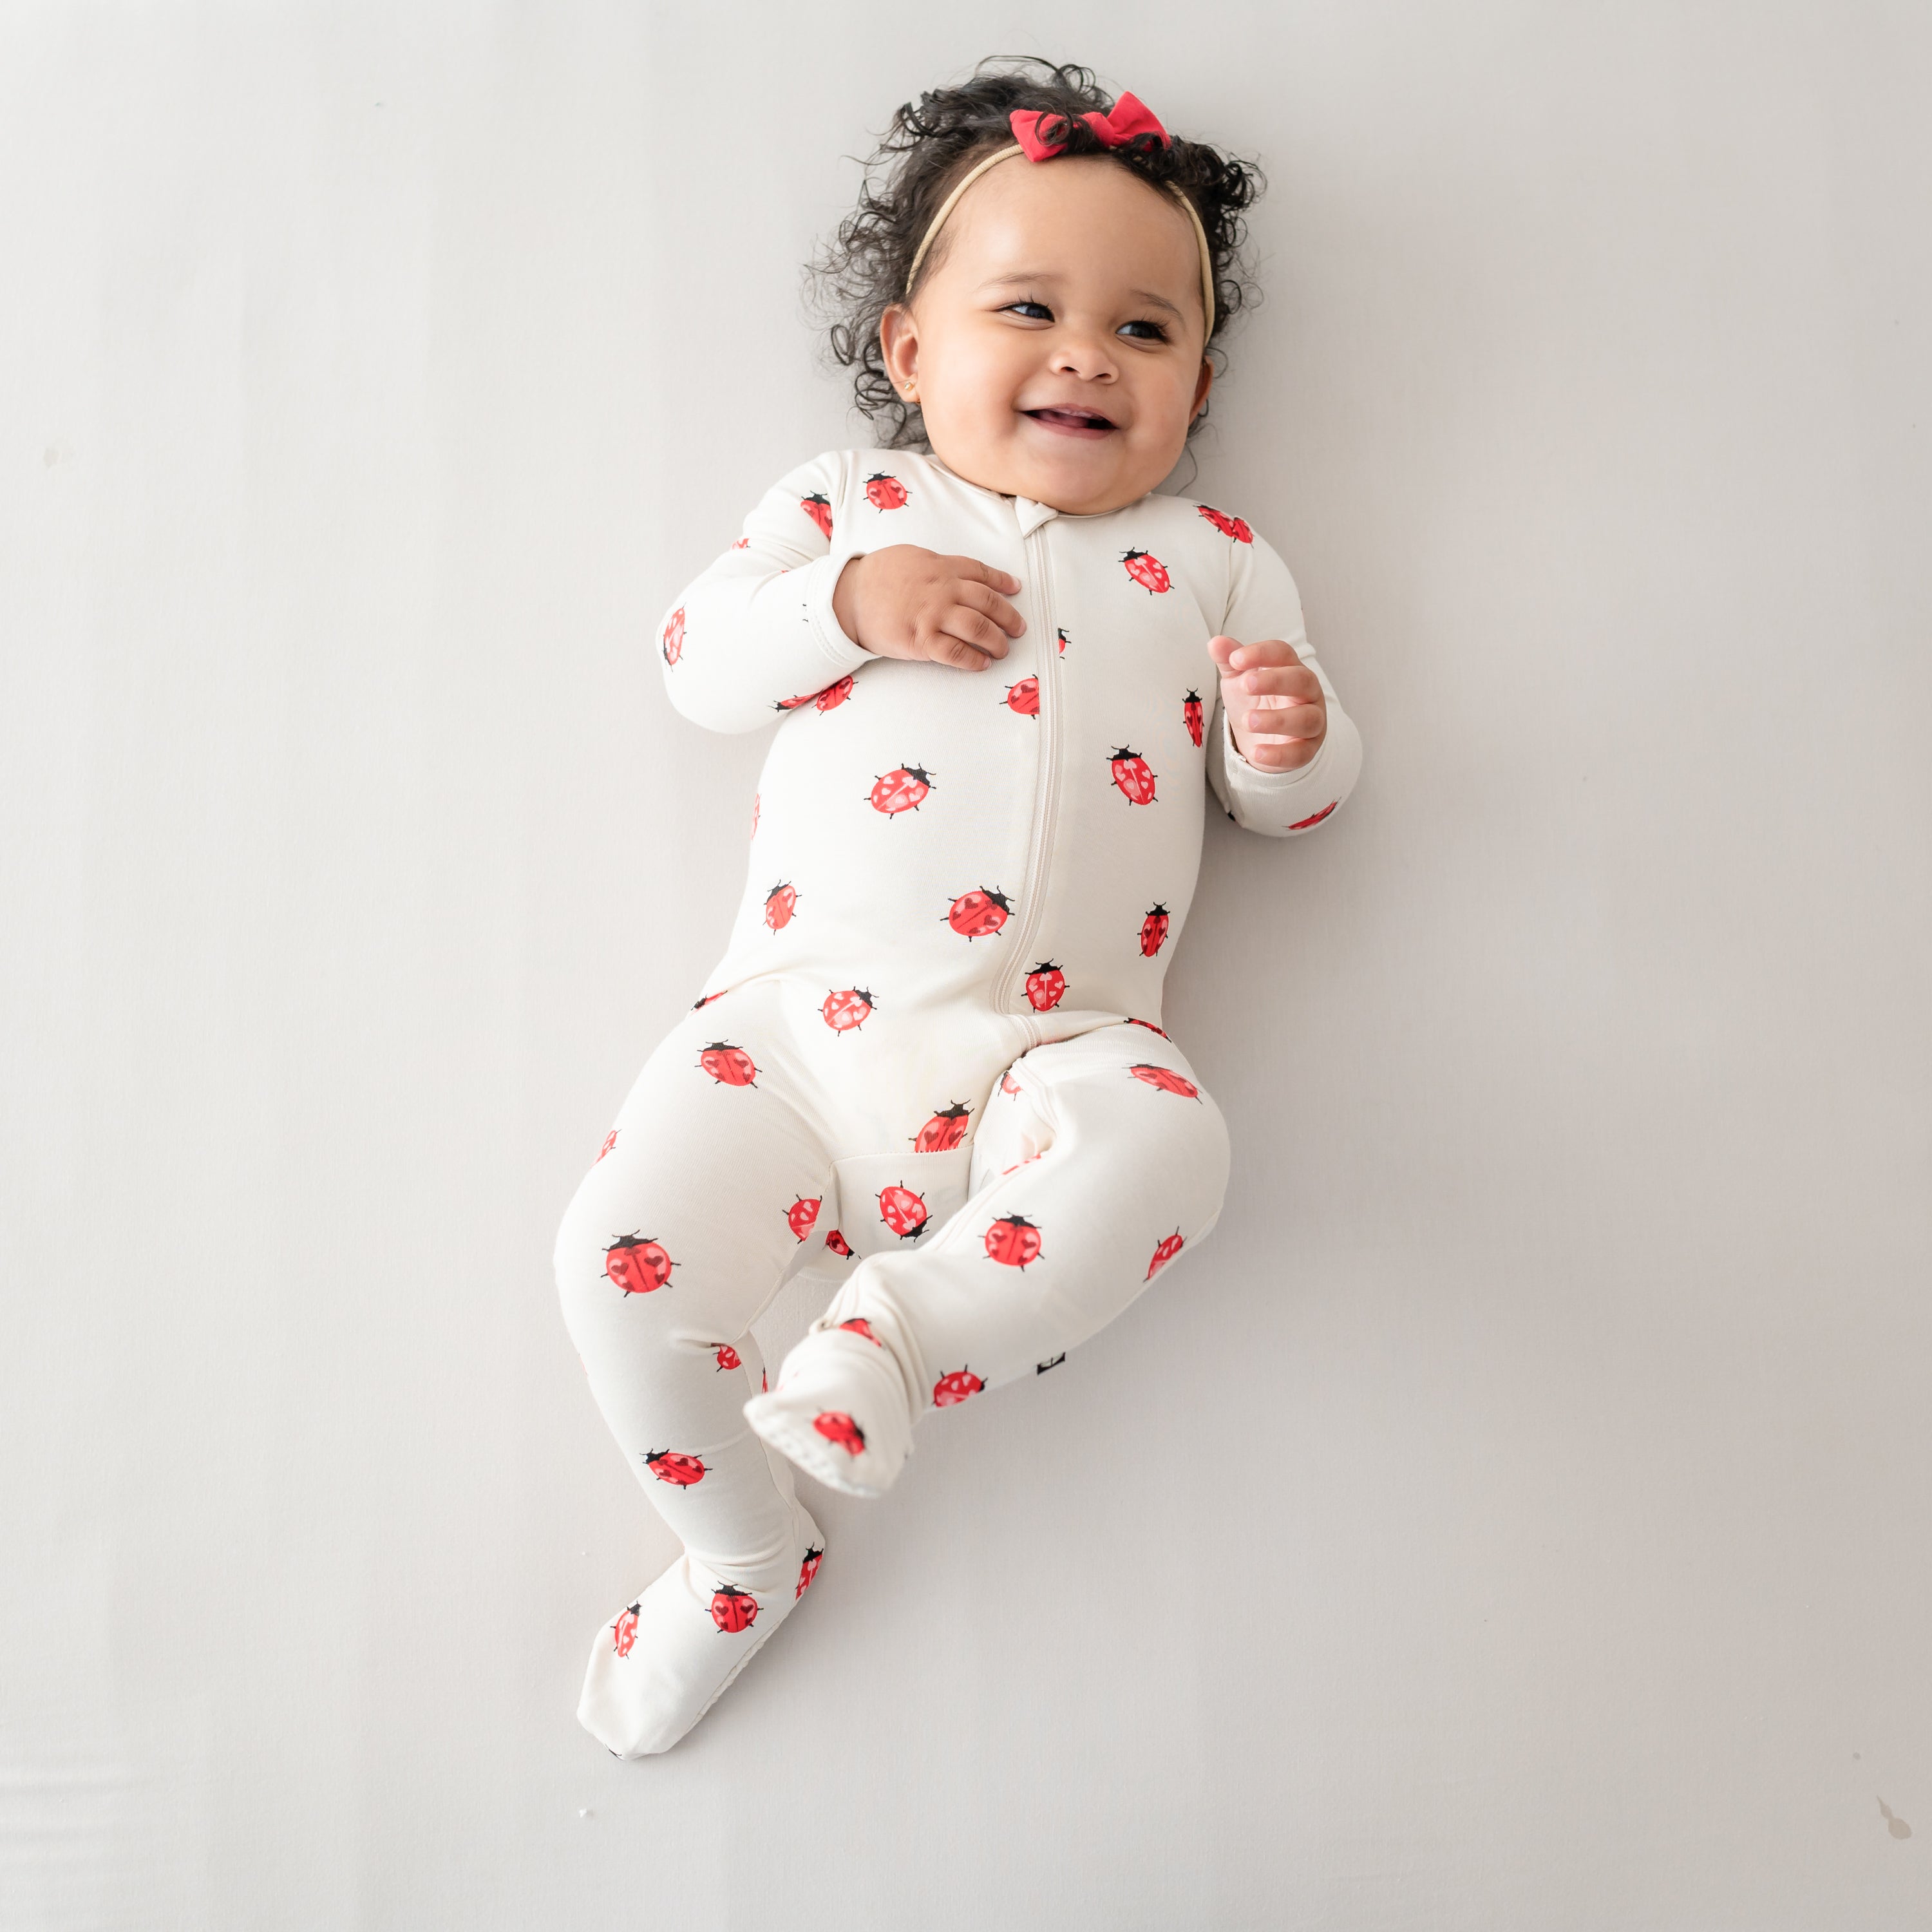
{"type": "Point", "coordinates": [755, 634]}
{"type": "Point", "coordinates": [1274, 700]}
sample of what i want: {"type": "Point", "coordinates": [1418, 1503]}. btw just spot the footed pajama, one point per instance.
{"type": "Point", "coordinates": [932, 1053]}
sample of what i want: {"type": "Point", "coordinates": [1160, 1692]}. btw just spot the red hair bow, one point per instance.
{"type": "Point", "coordinates": [1116, 130]}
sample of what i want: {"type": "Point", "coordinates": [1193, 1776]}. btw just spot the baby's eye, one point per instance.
{"type": "Point", "coordinates": [1045, 313]}
{"type": "Point", "coordinates": [1159, 334]}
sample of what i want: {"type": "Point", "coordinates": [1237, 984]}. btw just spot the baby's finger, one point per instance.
{"type": "Point", "coordinates": [971, 627]}
{"type": "Point", "coordinates": [1296, 681]}
{"type": "Point", "coordinates": [979, 596]}
{"type": "Point", "coordinates": [1285, 721]}
{"type": "Point", "coordinates": [1268, 651]}
{"type": "Point", "coordinates": [1221, 648]}
{"type": "Point", "coordinates": [985, 573]}
{"type": "Point", "coordinates": [1278, 754]}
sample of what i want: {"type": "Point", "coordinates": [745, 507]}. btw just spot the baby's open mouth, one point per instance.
{"type": "Point", "coordinates": [1072, 422]}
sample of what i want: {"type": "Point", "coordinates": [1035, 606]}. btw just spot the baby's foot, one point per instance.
{"type": "Point", "coordinates": [665, 1659]}
{"type": "Point", "coordinates": [838, 1411]}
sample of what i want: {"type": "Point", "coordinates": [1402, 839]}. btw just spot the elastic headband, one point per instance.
{"type": "Point", "coordinates": [1128, 118]}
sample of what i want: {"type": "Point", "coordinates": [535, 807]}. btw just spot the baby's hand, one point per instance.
{"type": "Point", "coordinates": [1274, 704]}
{"type": "Point", "coordinates": [905, 602]}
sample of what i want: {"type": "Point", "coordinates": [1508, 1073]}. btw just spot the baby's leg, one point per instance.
{"type": "Point", "coordinates": [677, 1237]}
{"type": "Point", "coordinates": [1099, 1161]}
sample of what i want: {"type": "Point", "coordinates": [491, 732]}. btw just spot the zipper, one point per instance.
{"type": "Point", "coordinates": [1046, 793]}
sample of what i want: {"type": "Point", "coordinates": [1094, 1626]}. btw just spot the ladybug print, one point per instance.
{"type": "Point", "coordinates": [1302, 824]}
{"type": "Point", "coordinates": [838, 1244]}
{"type": "Point", "coordinates": [1013, 1241]}
{"type": "Point", "coordinates": [1133, 776]}
{"type": "Point", "coordinates": [1152, 1028]}
{"type": "Point", "coordinates": [624, 1631]}
{"type": "Point", "coordinates": [698, 1006]}
{"type": "Point", "coordinates": [800, 1217]}
{"type": "Point", "coordinates": [835, 1426]}
{"type": "Point", "coordinates": [610, 1141]}
{"type": "Point", "coordinates": [781, 902]}
{"type": "Point", "coordinates": [743, 543]}
{"type": "Point", "coordinates": [1164, 1251]}
{"type": "Point", "coordinates": [844, 1012]}
{"type": "Point", "coordinates": [955, 1387]}
{"type": "Point", "coordinates": [1060, 638]}
{"type": "Point", "coordinates": [903, 1211]}
{"type": "Point", "coordinates": [756, 796]}
{"type": "Point", "coordinates": [1052, 1362]}
{"type": "Point", "coordinates": [1166, 1080]}
{"type": "Point", "coordinates": [728, 1357]}
{"type": "Point", "coordinates": [885, 492]}
{"type": "Point", "coordinates": [672, 640]}
{"type": "Point", "coordinates": [818, 507]}
{"type": "Point", "coordinates": [807, 1569]}
{"type": "Point", "coordinates": [833, 695]}
{"type": "Point", "coordinates": [1192, 716]}
{"type": "Point", "coordinates": [979, 915]}
{"type": "Point", "coordinates": [733, 1609]}
{"type": "Point", "coordinates": [1153, 930]}
{"type": "Point", "coordinates": [1148, 571]}
{"type": "Point", "coordinates": [637, 1264]}
{"type": "Point", "coordinates": [1229, 526]}
{"type": "Point", "coordinates": [944, 1132]}
{"type": "Point", "coordinates": [859, 1325]}
{"type": "Point", "coordinates": [793, 703]}
{"type": "Point", "coordinates": [1023, 697]}
{"type": "Point", "coordinates": [1010, 1087]}
{"type": "Point", "coordinates": [679, 1470]}
{"type": "Point", "coordinates": [904, 788]}
{"type": "Point", "coordinates": [730, 1065]}
{"type": "Point", "coordinates": [1045, 987]}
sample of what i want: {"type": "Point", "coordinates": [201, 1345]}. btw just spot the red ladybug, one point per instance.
{"type": "Point", "coordinates": [1166, 1079]}
{"type": "Point", "coordinates": [1192, 716]}
{"type": "Point", "coordinates": [733, 1609]}
{"type": "Point", "coordinates": [901, 1211]}
{"type": "Point", "coordinates": [1153, 930]}
{"type": "Point", "coordinates": [1013, 1241]}
{"type": "Point", "coordinates": [944, 1132]}
{"type": "Point", "coordinates": [1302, 824]}
{"type": "Point", "coordinates": [1010, 1087]}
{"type": "Point", "coordinates": [902, 789]}
{"type": "Point", "coordinates": [1133, 776]}
{"type": "Point", "coordinates": [781, 902]}
{"type": "Point", "coordinates": [1164, 1251]}
{"type": "Point", "coordinates": [818, 507]}
{"type": "Point", "coordinates": [728, 1357]}
{"type": "Point", "coordinates": [979, 915]}
{"type": "Point", "coordinates": [673, 637]}
{"type": "Point", "coordinates": [885, 492]}
{"type": "Point", "coordinates": [610, 1141]}
{"type": "Point", "coordinates": [1023, 697]}
{"type": "Point", "coordinates": [1229, 526]}
{"type": "Point", "coordinates": [1053, 1362]}
{"type": "Point", "coordinates": [730, 1065]}
{"type": "Point", "coordinates": [800, 1216]}
{"type": "Point", "coordinates": [807, 1569]}
{"type": "Point", "coordinates": [669, 1466]}
{"type": "Point", "coordinates": [637, 1264]}
{"type": "Point", "coordinates": [845, 1011]}
{"type": "Point", "coordinates": [755, 797]}
{"type": "Point", "coordinates": [1147, 570]}
{"type": "Point", "coordinates": [838, 1244]}
{"type": "Point", "coordinates": [955, 1387]}
{"type": "Point", "coordinates": [835, 1426]}
{"type": "Point", "coordinates": [743, 543]}
{"type": "Point", "coordinates": [834, 695]}
{"type": "Point", "coordinates": [698, 1006]}
{"type": "Point", "coordinates": [1151, 1027]}
{"type": "Point", "coordinates": [1045, 987]}
{"type": "Point", "coordinates": [1060, 638]}
{"type": "Point", "coordinates": [859, 1325]}
{"type": "Point", "coordinates": [793, 703]}
{"type": "Point", "coordinates": [624, 1631]}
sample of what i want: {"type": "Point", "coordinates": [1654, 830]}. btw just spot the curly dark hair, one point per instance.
{"type": "Point", "coordinates": [862, 272]}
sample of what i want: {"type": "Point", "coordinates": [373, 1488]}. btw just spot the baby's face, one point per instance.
{"type": "Point", "coordinates": [1065, 285]}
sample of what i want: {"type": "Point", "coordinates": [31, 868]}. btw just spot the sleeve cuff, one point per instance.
{"type": "Point", "coordinates": [841, 654]}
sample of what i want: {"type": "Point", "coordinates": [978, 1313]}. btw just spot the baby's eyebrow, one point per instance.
{"type": "Point", "coordinates": [1046, 275]}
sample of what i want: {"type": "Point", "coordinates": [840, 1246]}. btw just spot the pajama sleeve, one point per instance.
{"type": "Point", "coordinates": [1263, 603]}
{"type": "Point", "coordinates": [755, 633]}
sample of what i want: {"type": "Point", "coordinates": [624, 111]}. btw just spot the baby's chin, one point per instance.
{"type": "Point", "coordinates": [1077, 475]}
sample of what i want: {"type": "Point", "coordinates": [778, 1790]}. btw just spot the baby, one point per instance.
{"type": "Point", "coordinates": [1006, 674]}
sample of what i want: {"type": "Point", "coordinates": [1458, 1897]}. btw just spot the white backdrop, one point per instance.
{"type": "Point", "coordinates": [1537, 1536]}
